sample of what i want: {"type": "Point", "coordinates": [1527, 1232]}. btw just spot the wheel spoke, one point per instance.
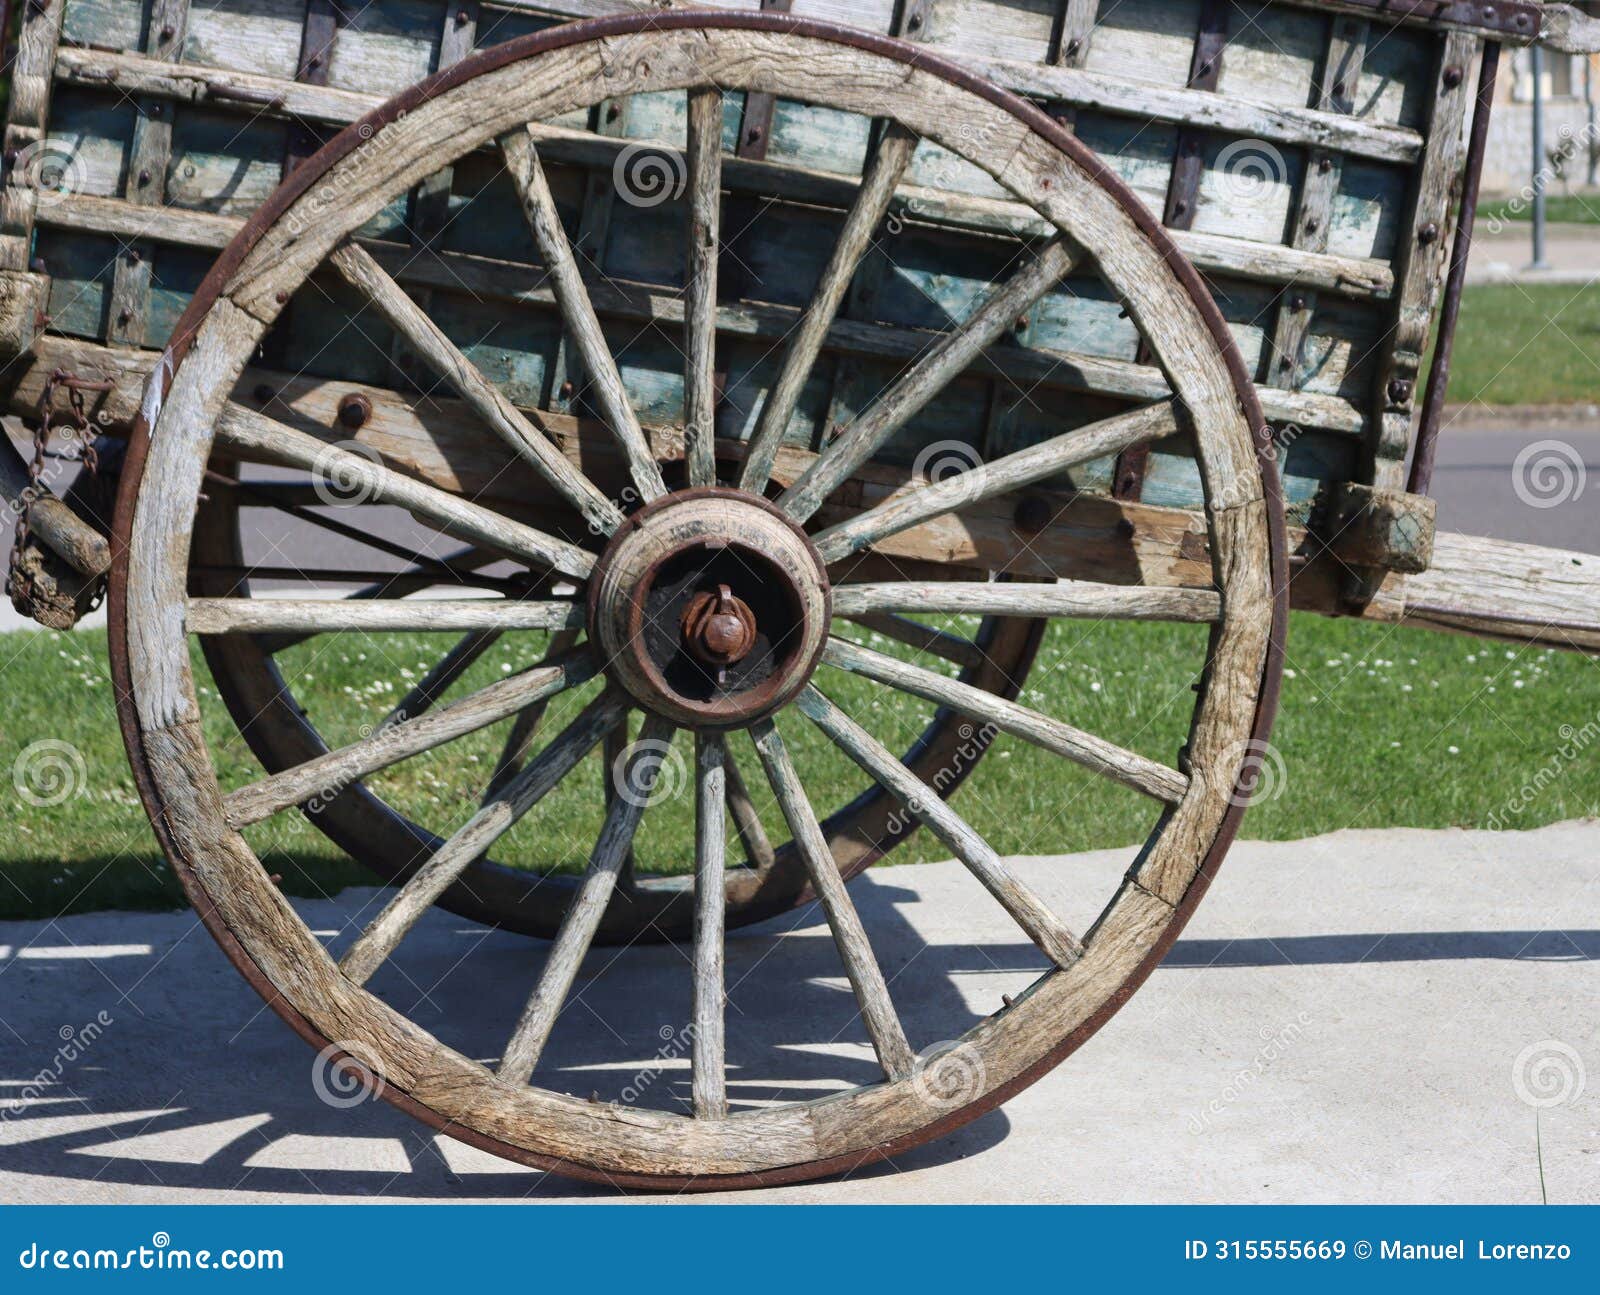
{"type": "Point", "coordinates": [883, 174]}
{"type": "Point", "coordinates": [926, 501]}
{"type": "Point", "coordinates": [539, 206]}
{"type": "Point", "coordinates": [481, 831]}
{"type": "Point", "coordinates": [588, 906]}
{"type": "Point", "coordinates": [1072, 599]}
{"type": "Point", "coordinates": [246, 432]}
{"type": "Point", "coordinates": [866, 977]}
{"type": "Point", "coordinates": [509, 423]}
{"type": "Point", "coordinates": [393, 742]}
{"type": "Point", "coordinates": [914, 634]}
{"type": "Point", "coordinates": [433, 685]}
{"type": "Point", "coordinates": [700, 305]}
{"type": "Point", "coordinates": [710, 896]}
{"type": "Point", "coordinates": [461, 562]}
{"type": "Point", "coordinates": [949, 356]}
{"type": "Point", "coordinates": [526, 726]}
{"type": "Point", "coordinates": [1122, 766]}
{"type": "Point", "coordinates": [288, 615]}
{"type": "Point", "coordinates": [758, 849]}
{"type": "Point", "coordinates": [1042, 926]}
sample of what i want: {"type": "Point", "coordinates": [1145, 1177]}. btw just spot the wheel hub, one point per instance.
{"type": "Point", "coordinates": [711, 608]}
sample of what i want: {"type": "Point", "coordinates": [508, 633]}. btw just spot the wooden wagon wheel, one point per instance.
{"type": "Point", "coordinates": [283, 735]}
{"type": "Point", "coordinates": [692, 547]}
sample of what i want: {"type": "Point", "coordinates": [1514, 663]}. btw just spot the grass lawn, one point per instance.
{"type": "Point", "coordinates": [1560, 208]}
{"type": "Point", "coordinates": [1380, 727]}
{"type": "Point", "coordinates": [1527, 345]}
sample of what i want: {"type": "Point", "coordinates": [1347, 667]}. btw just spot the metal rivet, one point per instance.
{"type": "Point", "coordinates": [1453, 76]}
{"type": "Point", "coordinates": [1400, 391]}
{"type": "Point", "coordinates": [1429, 233]}
{"type": "Point", "coordinates": [280, 296]}
{"type": "Point", "coordinates": [354, 410]}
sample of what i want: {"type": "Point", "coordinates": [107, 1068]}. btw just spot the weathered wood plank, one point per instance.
{"type": "Point", "coordinates": [866, 977]}
{"type": "Point", "coordinates": [1096, 754]}
{"type": "Point", "coordinates": [492, 821]}
{"type": "Point", "coordinates": [578, 927]}
{"type": "Point", "coordinates": [291, 615]}
{"type": "Point", "coordinates": [391, 743]}
{"type": "Point", "coordinates": [708, 1074]}
{"type": "Point", "coordinates": [1041, 926]}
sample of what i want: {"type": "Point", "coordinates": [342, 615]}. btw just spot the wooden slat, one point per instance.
{"type": "Point", "coordinates": [373, 947]}
{"type": "Point", "coordinates": [583, 324]}
{"type": "Point", "coordinates": [263, 439]}
{"type": "Point", "coordinates": [1026, 368]}
{"type": "Point", "coordinates": [866, 977]}
{"type": "Point", "coordinates": [424, 615]}
{"type": "Point", "coordinates": [1105, 758]}
{"type": "Point", "coordinates": [582, 919]}
{"type": "Point", "coordinates": [391, 743]}
{"type": "Point", "coordinates": [708, 1074]}
{"type": "Point", "coordinates": [365, 275]}
{"type": "Point", "coordinates": [1336, 88]}
{"type": "Point", "coordinates": [27, 125]}
{"type": "Point", "coordinates": [700, 293]}
{"type": "Point", "coordinates": [1354, 277]}
{"type": "Point", "coordinates": [949, 356]}
{"type": "Point", "coordinates": [1042, 926]}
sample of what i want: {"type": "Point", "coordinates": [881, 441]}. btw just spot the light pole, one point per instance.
{"type": "Point", "coordinates": [1540, 174]}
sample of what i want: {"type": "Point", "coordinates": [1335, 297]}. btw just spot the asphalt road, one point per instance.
{"type": "Point", "coordinates": [1479, 470]}
{"type": "Point", "coordinates": [1365, 1017]}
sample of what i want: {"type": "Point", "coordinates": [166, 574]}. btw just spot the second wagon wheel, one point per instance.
{"type": "Point", "coordinates": [709, 610]}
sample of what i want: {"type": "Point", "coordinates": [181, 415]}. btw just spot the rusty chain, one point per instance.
{"type": "Point", "coordinates": [19, 582]}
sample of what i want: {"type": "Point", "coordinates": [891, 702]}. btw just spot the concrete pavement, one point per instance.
{"type": "Point", "coordinates": [1368, 1016]}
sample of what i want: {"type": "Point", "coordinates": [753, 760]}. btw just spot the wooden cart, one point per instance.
{"type": "Point", "coordinates": [676, 323]}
